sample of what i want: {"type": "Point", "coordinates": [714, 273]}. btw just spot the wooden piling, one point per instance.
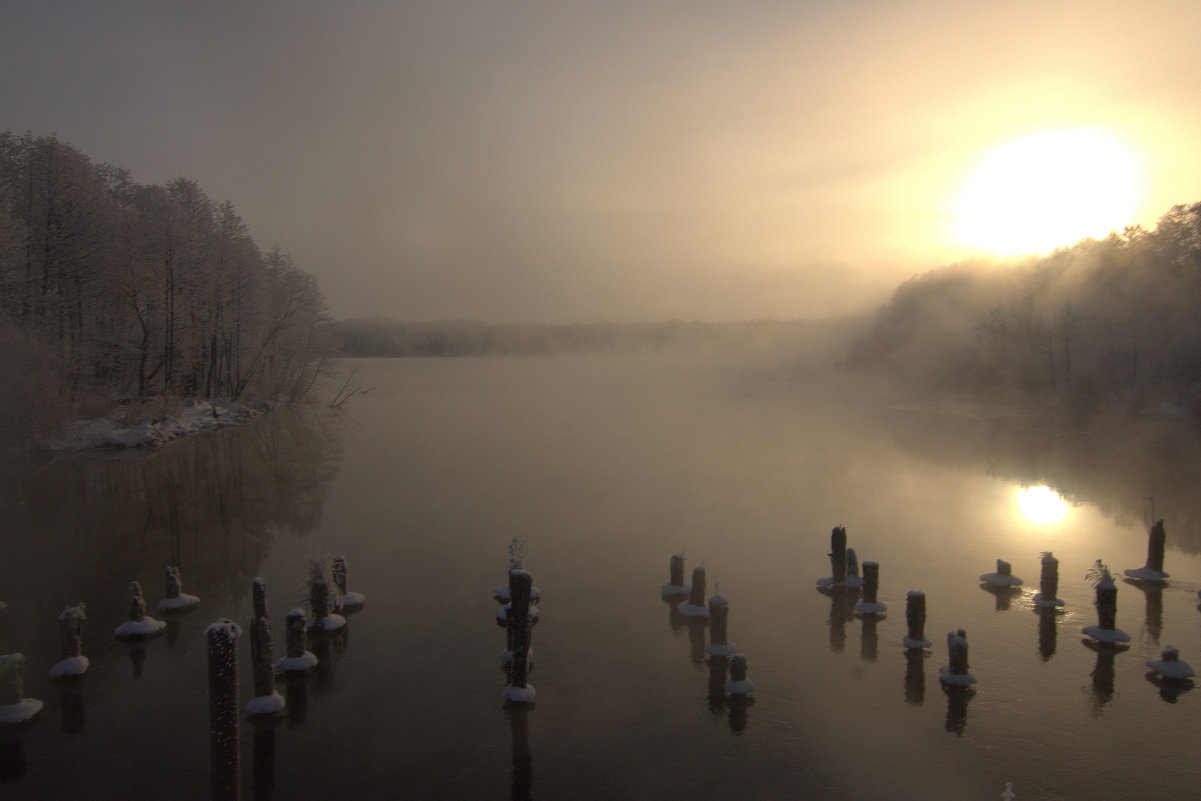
{"type": "Point", "coordinates": [71, 662]}
{"type": "Point", "coordinates": [521, 627]}
{"type": "Point", "coordinates": [14, 707]}
{"type": "Point", "coordinates": [224, 754]}
{"type": "Point", "coordinates": [915, 618]}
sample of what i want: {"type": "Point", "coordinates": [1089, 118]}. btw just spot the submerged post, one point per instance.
{"type": "Point", "coordinates": [676, 585]}
{"type": "Point", "coordinates": [14, 708]}
{"type": "Point", "coordinates": [738, 683]}
{"type": "Point", "coordinates": [871, 585]}
{"type": "Point", "coordinates": [138, 624]}
{"type": "Point", "coordinates": [72, 661]}
{"type": "Point", "coordinates": [520, 625]}
{"type": "Point", "coordinates": [915, 618]}
{"type": "Point", "coordinates": [719, 614]}
{"type": "Point", "coordinates": [266, 701]}
{"type": "Point", "coordinates": [351, 601]}
{"type": "Point", "coordinates": [1153, 570]}
{"type": "Point", "coordinates": [299, 658]}
{"type": "Point", "coordinates": [223, 708]}
{"type": "Point", "coordinates": [695, 606]}
{"type": "Point", "coordinates": [838, 554]}
{"type": "Point", "coordinates": [1048, 583]}
{"type": "Point", "coordinates": [956, 673]}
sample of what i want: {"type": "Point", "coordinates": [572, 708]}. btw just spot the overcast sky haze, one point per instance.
{"type": "Point", "coordinates": [578, 161]}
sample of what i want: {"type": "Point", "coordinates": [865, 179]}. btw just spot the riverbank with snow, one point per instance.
{"type": "Point", "coordinates": [191, 417]}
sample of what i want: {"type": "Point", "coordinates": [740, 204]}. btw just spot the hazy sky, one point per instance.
{"type": "Point", "coordinates": [612, 160]}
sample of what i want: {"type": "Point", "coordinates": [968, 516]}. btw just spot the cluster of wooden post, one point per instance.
{"type": "Point", "coordinates": [722, 655]}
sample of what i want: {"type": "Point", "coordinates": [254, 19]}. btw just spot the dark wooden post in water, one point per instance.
{"type": "Point", "coordinates": [915, 617]}
{"type": "Point", "coordinates": [520, 625]}
{"type": "Point", "coordinates": [676, 585]}
{"type": "Point", "coordinates": [174, 598]}
{"type": "Point", "coordinates": [719, 615]}
{"type": "Point", "coordinates": [852, 575]}
{"type": "Point", "coordinates": [13, 707]}
{"type": "Point", "coordinates": [695, 606]}
{"type": "Point", "coordinates": [738, 683]}
{"type": "Point", "coordinates": [956, 673]}
{"type": "Point", "coordinates": [223, 709]}
{"type": "Point", "coordinates": [1048, 583]}
{"type": "Point", "coordinates": [138, 624]}
{"type": "Point", "coordinates": [1107, 607]}
{"type": "Point", "coordinates": [266, 700]}
{"type": "Point", "coordinates": [838, 554]}
{"type": "Point", "coordinates": [299, 659]}
{"type": "Point", "coordinates": [351, 601]}
{"type": "Point", "coordinates": [323, 619]}
{"type": "Point", "coordinates": [1153, 570]}
{"type": "Point", "coordinates": [871, 585]}
{"type": "Point", "coordinates": [72, 661]}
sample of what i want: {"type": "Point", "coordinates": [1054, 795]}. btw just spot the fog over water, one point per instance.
{"type": "Point", "coordinates": [606, 466]}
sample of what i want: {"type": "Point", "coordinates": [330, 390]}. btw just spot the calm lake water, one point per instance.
{"type": "Point", "coordinates": [606, 467]}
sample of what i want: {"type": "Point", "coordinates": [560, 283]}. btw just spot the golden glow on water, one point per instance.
{"type": "Point", "coordinates": [1048, 190]}
{"type": "Point", "coordinates": [1041, 506]}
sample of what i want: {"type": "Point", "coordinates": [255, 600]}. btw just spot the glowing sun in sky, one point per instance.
{"type": "Point", "coordinates": [1047, 190]}
{"type": "Point", "coordinates": [1041, 505]}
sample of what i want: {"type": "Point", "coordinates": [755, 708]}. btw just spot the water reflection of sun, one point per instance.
{"type": "Point", "coordinates": [1041, 506]}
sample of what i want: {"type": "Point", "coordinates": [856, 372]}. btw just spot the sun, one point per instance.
{"type": "Point", "coordinates": [1041, 506]}
{"type": "Point", "coordinates": [1047, 190]}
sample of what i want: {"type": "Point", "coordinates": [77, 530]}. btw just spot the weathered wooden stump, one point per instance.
{"type": "Point", "coordinates": [299, 659]}
{"type": "Point", "coordinates": [138, 625]}
{"type": "Point", "coordinates": [956, 673]}
{"type": "Point", "coordinates": [915, 618]}
{"type": "Point", "coordinates": [695, 606]}
{"type": "Point", "coordinates": [224, 754]}
{"type": "Point", "coordinates": [719, 615]}
{"type": "Point", "coordinates": [174, 598]}
{"type": "Point", "coordinates": [871, 586]}
{"type": "Point", "coordinates": [351, 601]}
{"type": "Point", "coordinates": [521, 626]}
{"type": "Point", "coordinates": [14, 707]}
{"type": "Point", "coordinates": [1048, 583]}
{"type": "Point", "coordinates": [72, 662]}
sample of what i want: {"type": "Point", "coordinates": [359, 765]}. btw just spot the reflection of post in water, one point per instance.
{"type": "Point", "coordinates": [523, 758]}
{"type": "Point", "coordinates": [842, 606]}
{"type": "Point", "coordinates": [297, 697]}
{"type": "Point", "coordinates": [71, 703]}
{"type": "Point", "coordinates": [869, 643]}
{"type": "Point", "coordinates": [915, 676]}
{"type": "Point", "coordinates": [717, 682]}
{"type": "Point", "coordinates": [957, 701]}
{"type": "Point", "coordinates": [1103, 673]}
{"type": "Point", "coordinates": [137, 659]}
{"type": "Point", "coordinates": [1153, 616]}
{"type": "Point", "coordinates": [1047, 631]}
{"type": "Point", "coordinates": [223, 708]}
{"type": "Point", "coordinates": [697, 627]}
{"type": "Point", "coordinates": [263, 765]}
{"type": "Point", "coordinates": [740, 688]}
{"type": "Point", "coordinates": [12, 758]}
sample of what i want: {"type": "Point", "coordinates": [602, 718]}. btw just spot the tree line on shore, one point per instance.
{"type": "Point", "coordinates": [113, 289]}
{"type": "Point", "coordinates": [1112, 322]}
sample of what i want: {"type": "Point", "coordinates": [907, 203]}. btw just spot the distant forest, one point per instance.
{"type": "Point", "coordinates": [1114, 322]}
{"type": "Point", "coordinates": [374, 336]}
{"type": "Point", "coordinates": [109, 288]}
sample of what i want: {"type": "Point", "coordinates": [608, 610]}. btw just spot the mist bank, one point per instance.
{"type": "Point", "coordinates": [1112, 323]}
{"type": "Point", "coordinates": [376, 337]}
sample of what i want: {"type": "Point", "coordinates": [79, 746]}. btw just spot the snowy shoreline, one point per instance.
{"type": "Point", "coordinates": [194, 415]}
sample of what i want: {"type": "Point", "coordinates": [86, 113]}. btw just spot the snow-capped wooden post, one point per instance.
{"type": "Point", "coordinates": [838, 555]}
{"type": "Point", "coordinates": [323, 620]}
{"type": "Point", "coordinates": [1169, 665]}
{"type": "Point", "coordinates": [138, 624]}
{"type": "Point", "coordinates": [520, 626]}
{"type": "Point", "coordinates": [299, 659]}
{"type": "Point", "coordinates": [915, 618]}
{"type": "Point", "coordinates": [14, 707]}
{"type": "Point", "coordinates": [871, 586]}
{"type": "Point", "coordinates": [351, 601]}
{"type": "Point", "coordinates": [72, 661]}
{"type": "Point", "coordinates": [1153, 570]}
{"type": "Point", "coordinates": [266, 701]}
{"type": "Point", "coordinates": [956, 673]}
{"type": "Point", "coordinates": [1048, 583]}
{"type": "Point", "coordinates": [696, 606]}
{"type": "Point", "coordinates": [675, 584]}
{"type": "Point", "coordinates": [719, 615]}
{"type": "Point", "coordinates": [224, 764]}
{"type": "Point", "coordinates": [174, 598]}
{"type": "Point", "coordinates": [1003, 577]}
{"type": "Point", "coordinates": [738, 683]}
{"type": "Point", "coordinates": [1106, 630]}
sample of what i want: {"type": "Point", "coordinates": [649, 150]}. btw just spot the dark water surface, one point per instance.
{"type": "Point", "coordinates": [606, 467]}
